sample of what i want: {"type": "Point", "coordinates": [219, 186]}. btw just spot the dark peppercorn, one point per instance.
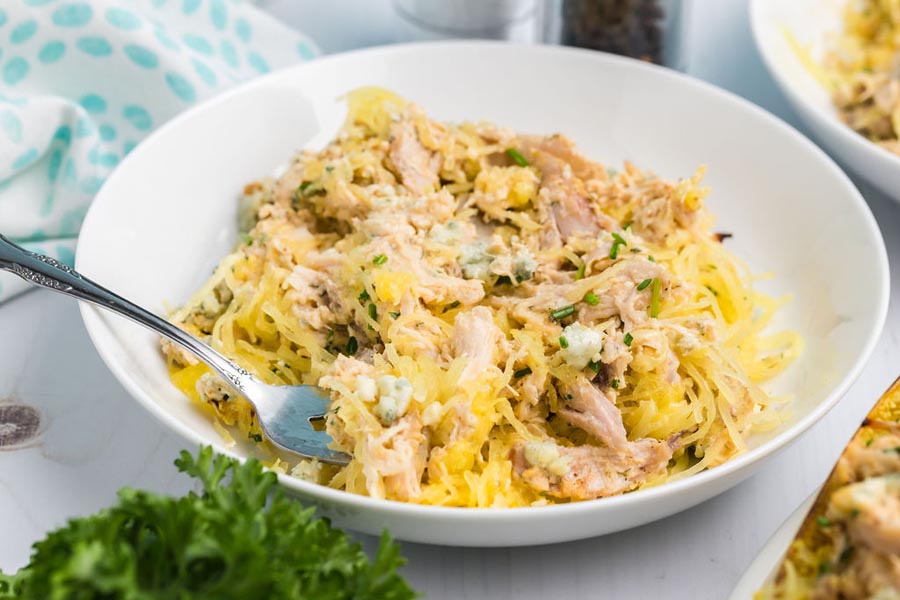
{"type": "Point", "coordinates": [628, 27]}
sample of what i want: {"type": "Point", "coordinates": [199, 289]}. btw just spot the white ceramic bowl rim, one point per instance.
{"type": "Point", "coordinates": [93, 324]}
{"type": "Point", "coordinates": [823, 117]}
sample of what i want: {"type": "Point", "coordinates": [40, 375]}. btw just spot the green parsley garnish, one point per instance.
{"type": "Point", "coordinates": [628, 339]}
{"type": "Point", "coordinates": [255, 437]}
{"type": "Point", "coordinates": [522, 372]}
{"type": "Point", "coordinates": [352, 346]}
{"type": "Point", "coordinates": [614, 384]}
{"type": "Point", "coordinates": [563, 342]}
{"type": "Point", "coordinates": [364, 297]}
{"type": "Point", "coordinates": [373, 312]}
{"type": "Point", "coordinates": [451, 306]}
{"type": "Point", "coordinates": [655, 292]}
{"type": "Point", "coordinates": [594, 366]}
{"type": "Point", "coordinates": [516, 157]}
{"type": "Point", "coordinates": [643, 285]}
{"type": "Point", "coordinates": [247, 239]}
{"type": "Point", "coordinates": [823, 521]}
{"type": "Point", "coordinates": [562, 313]}
{"type": "Point", "coordinates": [240, 536]}
{"type": "Point", "coordinates": [592, 299]}
{"type": "Point", "coordinates": [394, 315]}
{"type": "Point", "coordinates": [651, 259]}
{"type": "Point", "coordinates": [380, 259]}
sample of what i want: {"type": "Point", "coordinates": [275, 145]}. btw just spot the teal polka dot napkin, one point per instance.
{"type": "Point", "coordinates": [82, 82]}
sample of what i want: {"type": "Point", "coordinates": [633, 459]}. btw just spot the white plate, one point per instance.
{"type": "Point", "coordinates": [811, 22]}
{"type": "Point", "coordinates": [765, 565]}
{"type": "Point", "coordinates": [167, 215]}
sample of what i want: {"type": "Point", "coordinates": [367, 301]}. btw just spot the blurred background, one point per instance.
{"type": "Point", "coordinates": [709, 39]}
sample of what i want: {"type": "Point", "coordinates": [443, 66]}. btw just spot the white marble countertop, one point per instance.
{"type": "Point", "coordinates": [97, 439]}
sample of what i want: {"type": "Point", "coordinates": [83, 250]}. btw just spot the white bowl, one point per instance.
{"type": "Point", "coordinates": [811, 22]}
{"type": "Point", "coordinates": [167, 215]}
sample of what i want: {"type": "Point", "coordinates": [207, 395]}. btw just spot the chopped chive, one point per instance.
{"type": "Point", "coordinates": [592, 299]}
{"type": "Point", "coordinates": [619, 239]}
{"type": "Point", "coordinates": [614, 384]}
{"type": "Point", "coordinates": [823, 568]}
{"type": "Point", "coordinates": [373, 312]}
{"type": "Point", "coordinates": [628, 339]}
{"type": "Point", "coordinates": [522, 372]}
{"type": "Point", "coordinates": [364, 297]}
{"type": "Point", "coordinates": [614, 250]}
{"type": "Point", "coordinates": [451, 306]}
{"type": "Point", "coordinates": [563, 342]}
{"type": "Point", "coordinates": [651, 259]}
{"type": "Point", "coordinates": [579, 274]}
{"type": "Point", "coordinates": [636, 250]}
{"type": "Point", "coordinates": [394, 315]}
{"type": "Point", "coordinates": [562, 313]}
{"type": "Point", "coordinates": [655, 292]}
{"type": "Point", "coordinates": [516, 157]}
{"type": "Point", "coordinates": [594, 366]}
{"type": "Point", "coordinates": [823, 521]}
{"type": "Point", "coordinates": [713, 290]}
{"type": "Point", "coordinates": [380, 259]}
{"type": "Point", "coordinates": [309, 188]}
{"type": "Point", "coordinates": [643, 285]}
{"type": "Point", "coordinates": [352, 346]}
{"type": "Point", "coordinates": [255, 437]}
{"type": "Point", "coordinates": [247, 239]}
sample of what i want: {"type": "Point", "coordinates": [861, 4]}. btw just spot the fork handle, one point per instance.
{"type": "Point", "coordinates": [50, 273]}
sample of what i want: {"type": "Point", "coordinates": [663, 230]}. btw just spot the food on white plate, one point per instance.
{"type": "Point", "coordinates": [500, 321]}
{"type": "Point", "coordinates": [862, 70]}
{"type": "Point", "coordinates": [849, 544]}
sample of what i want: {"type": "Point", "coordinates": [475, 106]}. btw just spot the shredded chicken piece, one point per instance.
{"type": "Point", "coordinates": [477, 339]}
{"type": "Point", "coordinates": [416, 166]}
{"type": "Point", "coordinates": [595, 472]}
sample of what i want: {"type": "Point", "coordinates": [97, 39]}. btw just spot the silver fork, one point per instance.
{"type": "Point", "coordinates": [286, 413]}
